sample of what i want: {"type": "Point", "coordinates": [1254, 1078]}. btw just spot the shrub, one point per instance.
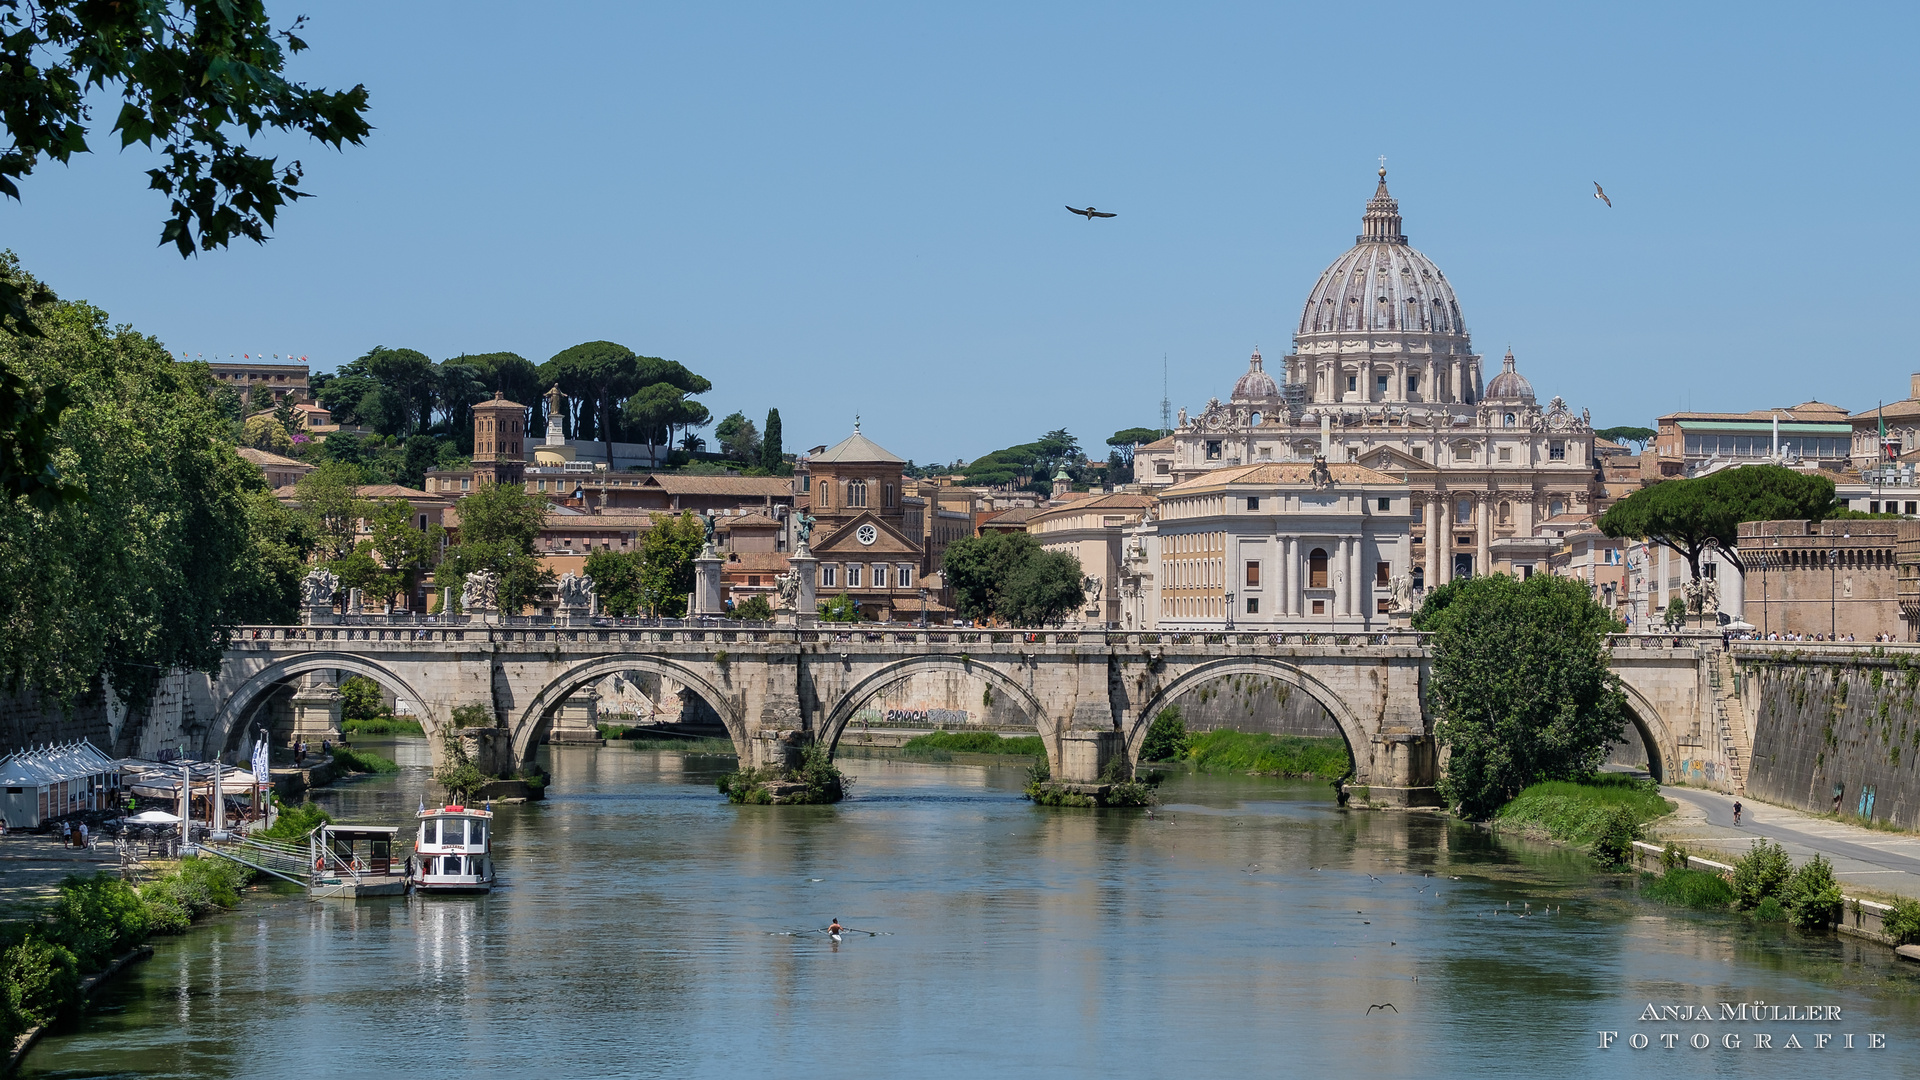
{"type": "Point", "coordinates": [1902, 923]}
{"type": "Point", "coordinates": [98, 917]}
{"type": "Point", "coordinates": [823, 781]}
{"type": "Point", "coordinates": [1691, 888]}
{"type": "Point", "coordinates": [1167, 738]}
{"type": "Point", "coordinates": [465, 716]}
{"type": "Point", "coordinates": [1673, 857]}
{"type": "Point", "coordinates": [1760, 874]}
{"type": "Point", "coordinates": [1614, 845]}
{"type": "Point", "coordinates": [295, 822]}
{"type": "Point", "coordinates": [40, 980]}
{"type": "Point", "coordinates": [754, 608]}
{"type": "Point", "coordinates": [1770, 910]}
{"type": "Point", "coordinates": [199, 886]}
{"type": "Point", "coordinates": [1812, 896]}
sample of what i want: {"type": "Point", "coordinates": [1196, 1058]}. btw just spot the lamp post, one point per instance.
{"type": "Point", "coordinates": [1833, 592]}
{"type": "Point", "coordinates": [1229, 609]}
{"type": "Point", "coordinates": [923, 609]}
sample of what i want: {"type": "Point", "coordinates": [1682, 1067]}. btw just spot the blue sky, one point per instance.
{"type": "Point", "coordinates": [859, 208]}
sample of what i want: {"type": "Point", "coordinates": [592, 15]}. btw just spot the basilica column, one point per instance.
{"type": "Point", "coordinates": [1483, 557]}
{"type": "Point", "coordinates": [1339, 572]}
{"type": "Point", "coordinates": [1296, 578]}
{"type": "Point", "coordinates": [1435, 539]}
{"type": "Point", "coordinates": [1362, 579]}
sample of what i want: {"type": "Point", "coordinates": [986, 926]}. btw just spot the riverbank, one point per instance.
{"type": "Point", "coordinates": [94, 926]}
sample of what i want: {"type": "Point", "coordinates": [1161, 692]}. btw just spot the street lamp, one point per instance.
{"type": "Point", "coordinates": [1229, 609]}
{"type": "Point", "coordinates": [923, 609]}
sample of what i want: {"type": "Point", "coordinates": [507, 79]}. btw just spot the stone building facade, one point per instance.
{"type": "Point", "coordinates": [1093, 531]}
{"type": "Point", "coordinates": [1282, 546]}
{"type": "Point", "coordinates": [872, 538]}
{"type": "Point", "coordinates": [1826, 579]}
{"type": "Point", "coordinates": [1383, 375]}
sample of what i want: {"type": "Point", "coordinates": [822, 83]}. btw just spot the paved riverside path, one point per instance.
{"type": "Point", "coordinates": [1866, 861]}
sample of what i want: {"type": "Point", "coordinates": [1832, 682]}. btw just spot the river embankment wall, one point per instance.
{"type": "Point", "coordinates": [1836, 731]}
{"type": "Point", "coordinates": [172, 712]}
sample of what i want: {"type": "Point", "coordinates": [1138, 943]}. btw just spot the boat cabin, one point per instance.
{"type": "Point", "coordinates": [454, 850]}
{"type": "Point", "coordinates": [352, 861]}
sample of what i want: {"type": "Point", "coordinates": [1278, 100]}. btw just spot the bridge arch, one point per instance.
{"type": "Point", "coordinates": [1653, 730]}
{"type": "Point", "coordinates": [849, 702]}
{"type": "Point", "coordinates": [537, 716]}
{"type": "Point", "coordinates": [1352, 728]}
{"type": "Point", "coordinates": [247, 696]}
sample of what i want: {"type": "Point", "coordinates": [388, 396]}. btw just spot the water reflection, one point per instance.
{"type": "Point", "coordinates": [645, 927]}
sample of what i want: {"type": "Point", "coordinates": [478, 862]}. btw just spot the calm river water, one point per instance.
{"type": "Point", "coordinates": [644, 931]}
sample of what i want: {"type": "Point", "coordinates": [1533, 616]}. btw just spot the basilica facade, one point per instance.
{"type": "Point", "coordinates": [1383, 375]}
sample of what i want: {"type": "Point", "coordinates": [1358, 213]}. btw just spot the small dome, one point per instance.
{"type": "Point", "coordinates": [1509, 385]}
{"type": "Point", "coordinates": [1256, 384]}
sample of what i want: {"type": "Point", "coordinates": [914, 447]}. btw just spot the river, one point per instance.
{"type": "Point", "coordinates": [643, 930]}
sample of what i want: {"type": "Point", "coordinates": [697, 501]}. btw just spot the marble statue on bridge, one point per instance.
{"type": "Point", "coordinates": [481, 591]}
{"type": "Point", "coordinates": [318, 587]}
{"type": "Point", "coordinates": [575, 592]}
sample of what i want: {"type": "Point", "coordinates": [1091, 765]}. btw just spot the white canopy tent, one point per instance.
{"type": "Point", "coordinates": [41, 784]}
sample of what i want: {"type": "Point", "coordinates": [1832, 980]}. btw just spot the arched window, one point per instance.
{"type": "Point", "coordinates": [1508, 420]}
{"type": "Point", "coordinates": [856, 493]}
{"type": "Point", "coordinates": [1506, 513]}
{"type": "Point", "coordinates": [1317, 569]}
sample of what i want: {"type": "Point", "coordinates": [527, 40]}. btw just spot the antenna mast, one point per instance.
{"type": "Point", "coordinates": [1166, 402]}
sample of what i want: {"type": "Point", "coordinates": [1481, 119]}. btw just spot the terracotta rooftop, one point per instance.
{"type": "Point", "coordinates": [263, 457]}
{"type": "Point", "coordinates": [758, 487]}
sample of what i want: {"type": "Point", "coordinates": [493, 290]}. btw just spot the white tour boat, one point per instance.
{"type": "Point", "coordinates": [454, 852]}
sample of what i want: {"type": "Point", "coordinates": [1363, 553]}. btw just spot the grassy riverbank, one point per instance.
{"type": "Point", "coordinates": [95, 920]}
{"type": "Point", "coordinates": [1580, 812]}
{"type": "Point", "coordinates": [384, 725]}
{"type": "Point", "coordinates": [1293, 756]}
{"type": "Point", "coordinates": [936, 743]}
{"type": "Point", "coordinates": [362, 761]}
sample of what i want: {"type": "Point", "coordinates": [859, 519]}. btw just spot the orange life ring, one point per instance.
{"type": "Point", "coordinates": [320, 863]}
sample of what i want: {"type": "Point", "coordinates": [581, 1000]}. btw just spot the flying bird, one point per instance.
{"type": "Point", "coordinates": [1601, 194]}
{"type": "Point", "coordinates": [1388, 1005]}
{"type": "Point", "coordinates": [1090, 213]}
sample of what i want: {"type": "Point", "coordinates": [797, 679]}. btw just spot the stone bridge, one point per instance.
{"type": "Point", "coordinates": [1088, 695]}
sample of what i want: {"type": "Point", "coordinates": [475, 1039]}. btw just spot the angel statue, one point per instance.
{"type": "Point", "coordinates": [1092, 585]}
{"type": "Point", "coordinates": [318, 587]}
{"type": "Point", "coordinates": [1402, 586]}
{"type": "Point", "coordinates": [480, 591]}
{"type": "Point", "coordinates": [787, 587]}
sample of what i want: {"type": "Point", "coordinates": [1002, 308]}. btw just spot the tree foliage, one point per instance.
{"type": "Point", "coordinates": [1030, 464]}
{"type": "Point", "coordinates": [738, 436]}
{"type": "Point", "coordinates": [772, 458]}
{"type": "Point", "coordinates": [1694, 517]}
{"type": "Point", "coordinates": [144, 570]}
{"type": "Point", "coordinates": [1520, 683]}
{"type": "Point", "coordinates": [1009, 576]}
{"type": "Point", "coordinates": [666, 564]}
{"type": "Point", "coordinates": [498, 525]}
{"type": "Point", "coordinates": [1627, 434]}
{"type": "Point", "coordinates": [192, 77]}
{"type": "Point", "coordinates": [616, 581]}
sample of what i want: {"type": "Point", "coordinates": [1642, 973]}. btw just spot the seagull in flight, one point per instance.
{"type": "Point", "coordinates": [1090, 213]}
{"type": "Point", "coordinates": [1601, 194]}
{"type": "Point", "coordinates": [1383, 1008]}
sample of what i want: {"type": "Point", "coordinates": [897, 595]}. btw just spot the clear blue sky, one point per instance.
{"type": "Point", "coordinates": [859, 208]}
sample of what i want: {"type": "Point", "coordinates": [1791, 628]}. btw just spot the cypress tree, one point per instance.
{"type": "Point", "coordinates": [770, 456]}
